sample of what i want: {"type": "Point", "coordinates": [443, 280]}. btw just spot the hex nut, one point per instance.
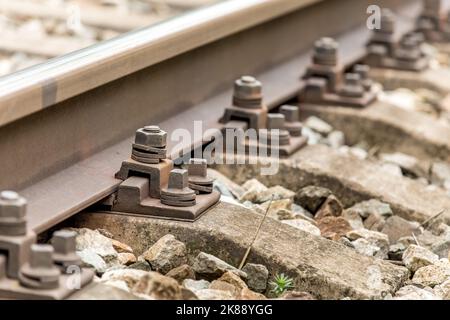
{"type": "Point", "coordinates": [247, 88]}
{"type": "Point", "coordinates": [275, 121]}
{"type": "Point", "coordinates": [12, 205]}
{"type": "Point", "coordinates": [40, 272]}
{"type": "Point", "coordinates": [291, 113]}
{"type": "Point", "coordinates": [151, 136]}
{"type": "Point", "coordinates": [178, 179]}
{"type": "Point", "coordinates": [197, 167]}
{"type": "Point", "coordinates": [387, 23]}
{"type": "Point", "coordinates": [326, 52]}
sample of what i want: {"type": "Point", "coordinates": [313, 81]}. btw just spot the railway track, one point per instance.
{"type": "Point", "coordinates": [48, 29]}
{"type": "Point", "coordinates": [68, 127]}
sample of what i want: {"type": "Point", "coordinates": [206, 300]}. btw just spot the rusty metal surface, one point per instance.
{"type": "Point", "coordinates": [80, 143]}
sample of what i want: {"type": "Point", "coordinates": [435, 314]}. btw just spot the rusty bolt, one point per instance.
{"type": "Point", "coordinates": [387, 23]}
{"type": "Point", "coordinates": [292, 123]}
{"type": "Point", "coordinates": [12, 214]}
{"type": "Point", "coordinates": [247, 88]}
{"type": "Point", "coordinates": [64, 244]}
{"type": "Point", "coordinates": [363, 70]}
{"type": "Point", "coordinates": [326, 52]}
{"type": "Point", "coordinates": [353, 86]}
{"type": "Point", "coordinates": [151, 136]}
{"type": "Point", "coordinates": [41, 256]}
{"type": "Point", "coordinates": [178, 179]}
{"type": "Point", "coordinates": [290, 113]}
{"type": "Point", "coordinates": [199, 181]}
{"type": "Point", "coordinates": [197, 167]}
{"type": "Point", "coordinates": [40, 272]}
{"type": "Point", "coordinates": [353, 79]}
{"type": "Point", "coordinates": [275, 121]}
{"type": "Point", "coordinates": [178, 194]}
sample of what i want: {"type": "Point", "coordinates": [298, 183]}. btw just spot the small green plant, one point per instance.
{"type": "Point", "coordinates": [281, 284]}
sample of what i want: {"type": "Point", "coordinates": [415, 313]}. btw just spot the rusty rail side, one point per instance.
{"type": "Point", "coordinates": [64, 158]}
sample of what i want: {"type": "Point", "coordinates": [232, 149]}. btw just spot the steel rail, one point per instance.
{"type": "Point", "coordinates": [63, 158]}
{"type": "Point", "coordinates": [45, 85]}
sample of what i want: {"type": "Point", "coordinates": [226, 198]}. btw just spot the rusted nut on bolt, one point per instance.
{"type": "Point", "coordinates": [40, 272]}
{"type": "Point", "coordinates": [292, 123]}
{"type": "Point", "coordinates": [326, 52]}
{"type": "Point", "coordinates": [247, 93]}
{"type": "Point", "coordinates": [178, 193]}
{"type": "Point", "coordinates": [409, 50]}
{"type": "Point", "coordinates": [150, 136]}
{"type": "Point", "coordinates": [363, 71]}
{"type": "Point", "coordinates": [353, 86]}
{"type": "Point", "coordinates": [12, 214]}
{"type": "Point", "coordinates": [64, 245]}
{"type": "Point", "coordinates": [149, 145]}
{"type": "Point", "coordinates": [198, 178]}
{"type": "Point", "coordinates": [275, 130]}
{"type": "Point", "coordinates": [387, 22]}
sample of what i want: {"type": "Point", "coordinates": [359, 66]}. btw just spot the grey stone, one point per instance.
{"type": "Point", "coordinates": [373, 206]}
{"type": "Point", "coordinates": [416, 257]}
{"type": "Point", "coordinates": [101, 291]}
{"type": "Point", "coordinates": [158, 287]}
{"type": "Point", "coordinates": [392, 169]}
{"type": "Point", "coordinates": [364, 247]}
{"type": "Point", "coordinates": [396, 252]}
{"type": "Point", "coordinates": [303, 225]}
{"type": "Point", "coordinates": [441, 247]}
{"type": "Point", "coordinates": [411, 292]}
{"type": "Point", "coordinates": [353, 218]}
{"type": "Point", "coordinates": [375, 222]}
{"type": "Point", "coordinates": [253, 188]}
{"type": "Point", "coordinates": [346, 242]}
{"type": "Point", "coordinates": [336, 139]}
{"type": "Point", "coordinates": [126, 258]}
{"type": "Point", "coordinates": [312, 197]}
{"type": "Point", "coordinates": [91, 259]}
{"type": "Point", "coordinates": [211, 294]}
{"type": "Point", "coordinates": [257, 276]}
{"type": "Point", "coordinates": [196, 285]}
{"type": "Point", "coordinates": [440, 173]}
{"type": "Point", "coordinates": [342, 271]}
{"type": "Point", "coordinates": [141, 265]}
{"type": "Point", "coordinates": [224, 185]}
{"type": "Point", "coordinates": [210, 266]}
{"type": "Point", "coordinates": [277, 192]}
{"type": "Point", "coordinates": [375, 238]}
{"type": "Point", "coordinates": [443, 290]}
{"type": "Point", "coordinates": [409, 164]}
{"type": "Point", "coordinates": [295, 208]}
{"type": "Point", "coordinates": [397, 227]}
{"type": "Point", "coordinates": [353, 152]}
{"type": "Point", "coordinates": [129, 276]}
{"type": "Point", "coordinates": [407, 241]}
{"type": "Point", "coordinates": [181, 273]}
{"type": "Point", "coordinates": [94, 241]}
{"type": "Point", "coordinates": [312, 136]}
{"type": "Point", "coordinates": [431, 275]}
{"type": "Point", "coordinates": [167, 253]}
{"type": "Point", "coordinates": [318, 125]}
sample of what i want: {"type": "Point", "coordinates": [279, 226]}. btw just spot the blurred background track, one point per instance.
{"type": "Point", "coordinates": [33, 31]}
